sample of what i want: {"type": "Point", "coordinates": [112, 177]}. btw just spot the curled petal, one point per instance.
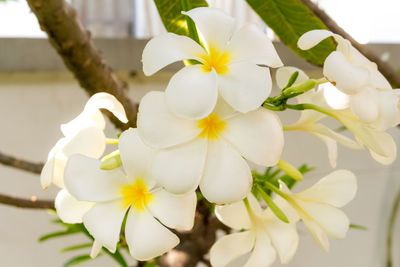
{"type": "Point", "coordinates": [263, 253]}
{"type": "Point", "coordinates": [215, 26]}
{"type": "Point", "coordinates": [158, 127]}
{"type": "Point", "coordinates": [250, 44]}
{"type": "Point", "coordinates": [168, 48]}
{"type": "Point", "coordinates": [257, 135]}
{"type": "Point", "coordinates": [146, 237]}
{"type": "Point", "coordinates": [336, 189]}
{"type": "Point", "coordinates": [349, 79]}
{"type": "Point", "coordinates": [192, 93]}
{"type": "Point", "coordinates": [179, 169]}
{"type": "Point", "coordinates": [87, 182]}
{"type": "Point", "coordinates": [89, 141]}
{"type": "Point", "coordinates": [318, 234]}
{"type": "Point", "coordinates": [230, 247]}
{"type": "Point", "coordinates": [174, 211]}
{"type": "Point", "coordinates": [312, 38]}
{"type": "Point", "coordinates": [245, 86]}
{"type": "Point", "coordinates": [69, 209]}
{"type": "Point", "coordinates": [227, 177]}
{"type": "Point", "coordinates": [365, 106]}
{"type": "Point", "coordinates": [104, 221]}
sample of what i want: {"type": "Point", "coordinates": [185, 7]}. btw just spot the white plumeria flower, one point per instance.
{"type": "Point", "coordinates": [83, 135]}
{"type": "Point", "coordinates": [309, 119]}
{"type": "Point", "coordinates": [264, 235]}
{"type": "Point", "coordinates": [131, 190]}
{"type": "Point", "coordinates": [352, 73]}
{"type": "Point", "coordinates": [228, 65]}
{"type": "Point", "coordinates": [209, 152]}
{"type": "Point", "coordinates": [318, 206]}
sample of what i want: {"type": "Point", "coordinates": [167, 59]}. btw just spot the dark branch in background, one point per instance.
{"type": "Point", "coordinates": [21, 164]}
{"type": "Point", "coordinates": [387, 70]}
{"type": "Point", "coordinates": [32, 203]}
{"type": "Point", "coordinates": [73, 43]}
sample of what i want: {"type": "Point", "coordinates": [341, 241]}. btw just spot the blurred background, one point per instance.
{"type": "Point", "coordinates": [37, 94]}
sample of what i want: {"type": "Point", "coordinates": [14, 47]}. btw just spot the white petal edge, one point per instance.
{"type": "Point", "coordinates": [174, 211]}
{"type": "Point", "coordinates": [227, 176]}
{"type": "Point", "coordinates": [192, 93]}
{"type": "Point", "coordinates": [263, 253]}
{"type": "Point", "coordinates": [158, 127]}
{"type": "Point", "coordinates": [146, 237]}
{"type": "Point", "coordinates": [245, 86]}
{"type": "Point", "coordinates": [283, 75]}
{"type": "Point", "coordinates": [69, 209]}
{"type": "Point", "coordinates": [258, 136]}
{"type": "Point", "coordinates": [230, 247]}
{"type": "Point", "coordinates": [311, 38]}
{"type": "Point", "coordinates": [168, 48]}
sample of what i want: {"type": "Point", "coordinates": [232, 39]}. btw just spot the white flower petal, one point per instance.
{"type": "Point", "coordinates": [283, 75]}
{"type": "Point", "coordinates": [250, 44]}
{"type": "Point", "coordinates": [89, 141]}
{"type": "Point", "coordinates": [136, 157]}
{"type": "Point", "coordinates": [337, 189]}
{"type": "Point", "coordinates": [167, 48]}
{"type": "Point", "coordinates": [146, 237]}
{"type": "Point", "coordinates": [283, 236]}
{"type": "Point", "coordinates": [69, 209]}
{"type": "Point", "coordinates": [245, 86]}
{"type": "Point", "coordinates": [258, 136]}
{"type": "Point", "coordinates": [349, 79]}
{"type": "Point", "coordinates": [104, 221]}
{"type": "Point", "coordinates": [233, 215]}
{"type": "Point", "coordinates": [83, 120]}
{"type": "Point", "coordinates": [108, 102]}
{"type": "Point", "coordinates": [96, 248]}
{"type": "Point", "coordinates": [365, 106]}
{"type": "Point", "coordinates": [179, 169]}
{"type": "Point", "coordinates": [334, 97]}
{"type": "Point", "coordinates": [223, 110]}
{"type": "Point", "coordinates": [174, 211]}
{"type": "Point", "coordinates": [389, 146]}
{"type": "Point", "coordinates": [192, 93]}
{"type": "Point", "coordinates": [332, 148]}
{"type": "Point", "coordinates": [263, 253]}
{"type": "Point", "coordinates": [227, 177]}
{"type": "Point", "coordinates": [46, 175]}
{"type": "Point", "coordinates": [377, 80]}
{"type": "Point", "coordinates": [318, 234]}
{"type": "Point", "coordinates": [214, 25]}
{"type": "Point", "coordinates": [230, 247]}
{"type": "Point", "coordinates": [332, 220]}
{"type": "Point", "coordinates": [312, 38]}
{"type": "Point", "coordinates": [389, 111]}
{"type": "Point", "coordinates": [87, 182]}
{"type": "Point", "coordinates": [158, 127]}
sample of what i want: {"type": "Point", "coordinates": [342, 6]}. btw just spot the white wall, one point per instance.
{"type": "Point", "coordinates": [32, 106]}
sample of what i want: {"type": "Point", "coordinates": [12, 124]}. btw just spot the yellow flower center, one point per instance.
{"type": "Point", "coordinates": [215, 59]}
{"type": "Point", "coordinates": [211, 126]}
{"type": "Point", "coordinates": [136, 195]}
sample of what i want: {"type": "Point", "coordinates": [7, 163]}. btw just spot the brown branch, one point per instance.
{"type": "Point", "coordinates": [21, 164]}
{"type": "Point", "coordinates": [387, 70]}
{"type": "Point", "coordinates": [73, 43]}
{"type": "Point", "coordinates": [32, 203]}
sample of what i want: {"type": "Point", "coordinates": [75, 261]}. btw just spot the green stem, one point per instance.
{"type": "Point", "coordinates": [313, 107]}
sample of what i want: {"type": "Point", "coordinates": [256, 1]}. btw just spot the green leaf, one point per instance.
{"type": "Point", "coordinates": [76, 247]}
{"type": "Point", "coordinates": [171, 16]}
{"type": "Point", "coordinates": [271, 204]}
{"type": "Point", "coordinates": [78, 259]}
{"type": "Point", "coordinates": [290, 19]}
{"type": "Point", "coordinates": [358, 227]}
{"type": "Point", "coordinates": [292, 80]}
{"type": "Point", "coordinates": [58, 234]}
{"type": "Point", "coordinates": [150, 264]}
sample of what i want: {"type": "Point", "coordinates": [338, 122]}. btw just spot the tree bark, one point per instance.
{"type": "Point", "coordinates": [32, 203]}
{"type": "Point", "coordinates": [21, 164]}
{"type": "Point", "coordinates": [73, 43]}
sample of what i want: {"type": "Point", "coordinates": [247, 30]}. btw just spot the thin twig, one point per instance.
{"type": "Point", "coordinates": [21, 164]}
{"type": "Point", "coordinates": [32, 203]}
{"type": "Point", "coordinates": [75, 46]}
{"type": "Point", "coordinates": [387, 70]}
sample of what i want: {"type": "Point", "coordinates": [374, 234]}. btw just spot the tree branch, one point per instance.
{"type": "Point", "coordinates": [32, 203]}
{"type": "Point", "coordinates": [21, 164]}
{"type": "Point", "coordinates": [73, 43]}
{"type": "Point", "coordinates": [387, 70]}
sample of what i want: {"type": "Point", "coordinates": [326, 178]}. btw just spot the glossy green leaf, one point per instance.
{"type": "Point", "coordinates": [289, 19]}
{"type": "Point", "coordinates": [171, 16]}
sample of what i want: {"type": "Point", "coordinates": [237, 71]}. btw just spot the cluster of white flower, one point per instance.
{"type": "Point", "coordinates": [201, 132]}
